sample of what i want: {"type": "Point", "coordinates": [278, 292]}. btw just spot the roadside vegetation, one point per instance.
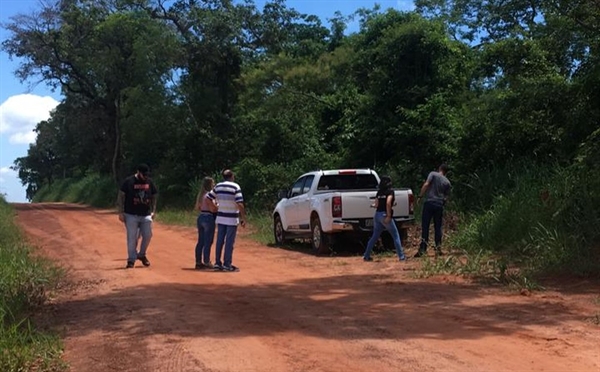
{"type": "Point", "coordinates": [25, 283]}
{"type": "Point", "coordinates": [93, 190]}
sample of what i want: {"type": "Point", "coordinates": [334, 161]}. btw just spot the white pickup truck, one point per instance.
{"type": "Point", "coordinates": [323, 205]}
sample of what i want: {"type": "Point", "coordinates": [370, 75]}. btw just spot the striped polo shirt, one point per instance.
{"type": "Point", "coordinates": [227, 194]}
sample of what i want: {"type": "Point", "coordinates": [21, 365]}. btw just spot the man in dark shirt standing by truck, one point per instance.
{"type": "Point", "coordinates": [436, 189]}
{"type": "Point", "coordinates": [137, 205]}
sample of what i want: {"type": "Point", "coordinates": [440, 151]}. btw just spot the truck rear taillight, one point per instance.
{"type": "Point", "coordinates": [336, 206]}
{"type": "Point", "coordinates": [411, 203]}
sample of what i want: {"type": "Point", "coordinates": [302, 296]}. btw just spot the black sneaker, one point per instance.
{"type": "Point", "coordinates": [218, 267]}
{"type": "Point", "coordinates": [208, 266]}
{"type": "Point", "coordinates": [200, 266]}
{"type": "Point", "coordinates": [130, 265]}
{"type": "Point", "coordinates": [419, 253]}
{"type": "Point", "coordinates": [438, 252]}
{"type": "Point", "coordinates": [144, 260]}
{"type": "Point", "coordinates": [367, 259]}
{"type": "Point", "coordinates": [231, 268]}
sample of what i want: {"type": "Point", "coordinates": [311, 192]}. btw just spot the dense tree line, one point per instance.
{"type": "Point", "coordinates": [191, 87]}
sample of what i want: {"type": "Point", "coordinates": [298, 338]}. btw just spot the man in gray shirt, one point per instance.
{"type": "Point", "coordinates": [436, 189]}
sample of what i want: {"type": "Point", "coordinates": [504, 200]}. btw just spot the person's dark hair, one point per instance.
{"type": "Point", "coordinates": [227, 174]}
{"type": "Point", "coordinates": [143, 169]}
{"type": "Point", "coordinates": [444, 168]}
{"type": "Point", "coordinates": [385, 183]}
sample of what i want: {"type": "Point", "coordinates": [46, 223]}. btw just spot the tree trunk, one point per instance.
{"type": "Point", "coordinates": [117, 149]}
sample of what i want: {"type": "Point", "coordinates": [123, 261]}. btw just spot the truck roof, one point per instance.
{"type": "Point", "coordinates": [333, 172]}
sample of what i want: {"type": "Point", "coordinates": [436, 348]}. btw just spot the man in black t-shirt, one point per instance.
{"type": "Point", "coordinates": [137, 207]}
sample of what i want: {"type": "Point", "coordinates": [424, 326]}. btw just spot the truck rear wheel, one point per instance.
{"type": "Point", "coordinates": [278, 231]}
{"type": "Point", "coordinates": [387, 242]}
{"type": "Point", "coordinates": [320, 241]}
{"type": "Point", "coordinates": [403, 235]}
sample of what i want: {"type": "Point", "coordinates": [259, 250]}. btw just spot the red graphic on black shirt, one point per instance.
{"type": "Point", "coordinates": [141, 194]}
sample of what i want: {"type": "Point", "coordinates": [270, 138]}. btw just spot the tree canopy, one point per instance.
{"type": "Point", "coordinates": [193, 87]}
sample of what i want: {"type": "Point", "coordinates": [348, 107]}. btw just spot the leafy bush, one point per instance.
{"type": "Point", "coordinates": [260, 183]}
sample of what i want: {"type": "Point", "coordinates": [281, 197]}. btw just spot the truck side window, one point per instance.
{"type": "Point", "coordinates": [323, 184]}
{"type": "Point", "coordinates": [347, 182]}
{"type": "Point", "coordinates": [308, 184]}
{"type": "Point", "coordinates": [297, 187]}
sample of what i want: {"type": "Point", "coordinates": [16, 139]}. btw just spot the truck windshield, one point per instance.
{"type": "Point", "coordinates": [347, 182]}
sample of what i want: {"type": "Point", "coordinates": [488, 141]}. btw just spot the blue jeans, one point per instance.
{"type": "Point", "coordinates": [378, 226]}
{"type": "Point", "coordinates": [137, 226]}
{"type": "Point", "coordinates": [206, 233]}
{"type": "Point", "coordinates": [435, 211]}
{"type": "Point", "coordinates": [225, 235]}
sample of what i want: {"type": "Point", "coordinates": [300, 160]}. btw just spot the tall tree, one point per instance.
{"type": "Point", "coordinates": [411, 77]}
{"type": "Point", "coordinates": [96, 51]}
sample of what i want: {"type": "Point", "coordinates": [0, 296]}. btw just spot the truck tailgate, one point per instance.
{"type": "Point", "coordinates": [357, 204]}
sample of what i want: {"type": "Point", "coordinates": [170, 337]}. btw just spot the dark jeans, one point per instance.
{"type": "Point", "coordinates": [225, 236]}
{"type": "Point", "coordinates": [206, 233]}
{"type": "Point", "coordinates": [435, 211]}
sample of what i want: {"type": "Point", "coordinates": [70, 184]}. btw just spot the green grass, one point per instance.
{"type": "Point", "coordinates": [545, 223]}
{"type": "Point", "coordinates": [481, 266]}
{"type": "Point", "coordinates": [260, 223]}
{"type": "Point", "coordinates": [178, 217]}
{"type": "Point", "coordinates": [94, 190]}
{"type": "Point", "coordinates": [262, 227]}
{"type": "Point", "coordinates": [25, 281]}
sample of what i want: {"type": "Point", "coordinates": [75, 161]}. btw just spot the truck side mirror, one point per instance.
{"type": "Point", "coordinates": [283, 194]}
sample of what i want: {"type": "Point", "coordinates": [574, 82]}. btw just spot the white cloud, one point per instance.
{"type": "Point", "coordinates": [405, 5]}
{"type": "Point", "coordinates": [5, 170]}
{"type": "Point", "coordinates": [23, 137]}
{"type": "Point", "coordinates": [19, 115]}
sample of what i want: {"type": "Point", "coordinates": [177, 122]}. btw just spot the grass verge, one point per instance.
{"type": "Point", "coordinates": [25, 281]}
{"type": "Point", "coordinates": [481, 266]}
{"type": "Point", "coordinates": [97, 191]}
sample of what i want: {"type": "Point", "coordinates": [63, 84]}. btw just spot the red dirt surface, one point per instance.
{"type": "Point", "coordinates": [291, 311]}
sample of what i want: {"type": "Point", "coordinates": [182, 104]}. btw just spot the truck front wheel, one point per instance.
{"type": "Point", "coordinates": [278, 231]}
{"type": "Point", "coordinates": [319, 240]}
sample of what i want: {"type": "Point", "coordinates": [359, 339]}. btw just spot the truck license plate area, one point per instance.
{"type": "Point", "coordinates": [369, 222]}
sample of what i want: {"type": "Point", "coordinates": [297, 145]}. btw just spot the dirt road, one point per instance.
{"type": "Point", "coordinates": [291, 311]}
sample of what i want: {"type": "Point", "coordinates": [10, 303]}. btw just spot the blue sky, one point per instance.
{"type": "Point", "coordinates": [23, 105]}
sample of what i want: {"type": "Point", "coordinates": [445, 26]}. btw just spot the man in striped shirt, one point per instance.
{"type": "Point", "coordinates": [231, 212]}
